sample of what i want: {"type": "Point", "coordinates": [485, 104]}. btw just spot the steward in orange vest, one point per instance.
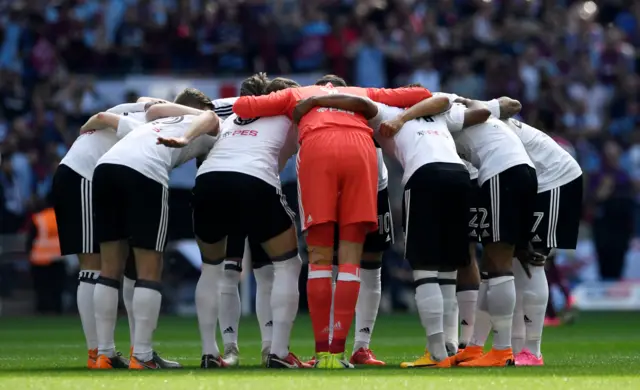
{"type": "Point", "coordinates": [46, 244]}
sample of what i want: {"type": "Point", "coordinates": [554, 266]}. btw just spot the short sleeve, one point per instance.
{"type": "Point", "coordinates": [377, 120]}
{"type": "Point", "coordinates": [455, 117]}
{"type": "Point", "coordinates": [126, 125]}
{"type": "Point", "coordinates": [451, 96]}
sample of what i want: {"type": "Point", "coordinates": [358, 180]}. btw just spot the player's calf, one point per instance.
{"type": "Point", "coordinates": [367, 308]}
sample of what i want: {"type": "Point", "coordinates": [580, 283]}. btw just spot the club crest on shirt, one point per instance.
{"type": "Point", "coordinates": [243, 122]}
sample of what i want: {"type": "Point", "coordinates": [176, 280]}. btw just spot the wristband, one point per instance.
{"type": "Point", "coordinates": [494, 107]}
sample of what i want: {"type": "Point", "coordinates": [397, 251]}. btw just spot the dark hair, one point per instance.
{"type": "Point", "coordinates": [254, 85]}
{"type": "Point", "coordinates": [280, 83]}
{"type": "Point", "coordinates": [336, 81]}
{"type": "Point", "coordinates": [194, 98]}
{"type": "Point", "coordinates": [414, 85]}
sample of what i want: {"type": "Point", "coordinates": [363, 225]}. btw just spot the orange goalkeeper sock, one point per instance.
{"type": "Point", "coordinates": [344, 309]}
{"type": "Point", "coordinates": [319, 296]}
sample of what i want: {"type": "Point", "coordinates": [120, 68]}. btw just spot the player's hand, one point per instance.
{"type": "Point", "coordinates": [391, 127]}
{"type": "Point", "coordinates": [173, 142]}
{"type": "Point", "coordinates": [537, 259]}
{"type": "Point", "coordinates": [301, 109]}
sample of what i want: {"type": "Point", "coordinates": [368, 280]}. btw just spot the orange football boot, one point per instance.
{"type": "Point", "coordinates": [93, 356]}
{"type": "Point", "coordinates": [494, 358]}
{"type": "Point", "coordinates": [471, 352]}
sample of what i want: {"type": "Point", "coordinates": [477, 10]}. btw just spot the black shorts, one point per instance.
{"type": "Point", "coordinates": [129, 205]}
{"type": "Point", "coordinates": [236, 247]}
{"type": "Point", "coordinates": [73, 205]}
{"type": "Point", "coordinates": [237, 204]}
{"type": "Point", "coordinates": [475, 219]}
{"type": "Point", "coordinates": [381, 239]}
{"type": "Point", "coordinates": [436, 216]}
{"type": "Point", "coordinates": [557, 216]}
{"type": "Point", "coordinates": [507, 203]}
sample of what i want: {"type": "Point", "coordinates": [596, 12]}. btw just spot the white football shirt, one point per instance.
{"type": "Point", "coordinates": [383, 174]}
{"type": "Point", "coordinates": [554, 165]}
{"type": "Point", "coordinates": [87, 149]}
{"type": "Point", "coordinates": [250, 146]}
{"type": "Point", "coordinates": [473, 171]}
{"type": "Point", "coordinates": [224, 107]}
{"type": "Point", "coordinates": [139, 150]}
{"type": "Point", "coordinates": [492, 147]}
{"type": "Point", "coordinates": [420, 141]}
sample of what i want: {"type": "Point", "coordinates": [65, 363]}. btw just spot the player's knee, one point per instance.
{"type": "Point", "coordinates": [320, 240]}
{"type": "Point", "coordinates": [371, 260]}
{"type": "Point", "coordinates": [355, 232]}
{"type": "Point", "coordinates": [321, 235]}
{"type": "Point", "coordinates": [89, 261]}
{"type": "Point", "coordinates": [320, 255]}
{"type": "Point", "coordinates": [231, 274]}
{"type": "Point", "coordinates": [498, 256]}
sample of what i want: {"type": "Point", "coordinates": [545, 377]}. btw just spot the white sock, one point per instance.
{"type": "Point", "coordinates": [229, 312]}
{"type": "Point", "coordinates": [84, 299]}
{"type": "Point", "coordinates": [264, 286]}
{"type": "Point", "coordinates": [501, 299]}
{"type": "Point", "coordinates": [467, 304]}
{"type": "Point", "coordinates": [284, 303]}
{"type": "Point", "coordinates": [147, 300]}
{"type": "Point", "coordinates": [431, 311]}
{"type": "Point", "coordinates": [534, 299]}
{"type": "Point", "coordinates": [105, 304]}
{"type": "Point", "coordinates": [518, 331]}
{"type": "Point", "coordinates": [367, 306]}
{"type": "Point", "coordinates": [128, 286]}
{"type": "Point", "coordinates": [482, 326]}
{"type": "Point", "coordinates": [207, 299]}
{"type": "Point", "coordinates": [447, 282]}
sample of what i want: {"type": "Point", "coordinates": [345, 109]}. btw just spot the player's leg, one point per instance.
{"type": "Point", "coordinates": [447, 280]}
{"type": "Point", "coordinates": [212, 242]}
{"type": "Point", "coordinates": [229, 304]}
{"type": "Point", "coordinates": [110, 222]}
{"type": "Point", "coordinates": [468, 283]}
{"type": "Point", "coordinates": [423, 251]}
{"type": "Point", "coordinates": [357, 217]}
{"type": "Point", "coordinates": [264, 275]}
{"type": "Point", "coordinates": [148, 223]}
{"type": "Point", "coordinates": [275, 229]}
{"type": "Point", "coordinates": [468, 278]}
{"type": "Point", "coordinates": [128, 287]}
{"type": "Point", "coordinates": [370, 293]}
{"type": "Point", "coordinates": [73, 207]}
{"type": "Point", "coordinates": [509, 198]}
{"type": "Point", "coordinates": [317, 201]}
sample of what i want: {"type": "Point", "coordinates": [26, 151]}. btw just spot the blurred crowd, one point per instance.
{"type": "Point", "coordinates": [573, 65]}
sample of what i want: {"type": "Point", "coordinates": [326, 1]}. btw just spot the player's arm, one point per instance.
{"type": "Point", "coordinates": [273, 104]}
{"type": "Point", "coordinates": [146, 99]}
{"type": "Point", "coordinates": [507, 107]}
{"type": "Point", "coordinates": [164, 110]}
{"type": "Point", "coordinates": [459, 118]}
{"type": "Point", "coordinates": [427, 107]}
{"type": "Point", "coordinates": [398, 97]}
{"type": "Point", "coordinates": [341, 101]}
{"type": "Point", "coordinates": [101, 120]}
{"type": "Point", "coordinates": [120, 109]}
{"type": "Point", "coordinates": [205, 123]}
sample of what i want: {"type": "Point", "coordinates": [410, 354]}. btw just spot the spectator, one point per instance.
{"type": "Point", "coordinates": [463, 81]}
{"type": "Point", "coordinates": [613, 218]}
{"type": "Point", "coordinates": [369, 59]}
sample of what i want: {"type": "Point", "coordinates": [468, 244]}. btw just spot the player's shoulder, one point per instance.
{"type": "Point", "coordinates": [387, 110]}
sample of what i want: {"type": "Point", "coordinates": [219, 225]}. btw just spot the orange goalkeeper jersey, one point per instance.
{"type": "Point", "coordinates": [283, 102]}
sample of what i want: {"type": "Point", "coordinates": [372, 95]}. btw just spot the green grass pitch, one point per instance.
{"type": "Point", "coordinates": [599, 352]}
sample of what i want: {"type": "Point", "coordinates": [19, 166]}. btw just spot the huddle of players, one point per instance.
{"type": "Point", "coordinates": [509, 207]}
